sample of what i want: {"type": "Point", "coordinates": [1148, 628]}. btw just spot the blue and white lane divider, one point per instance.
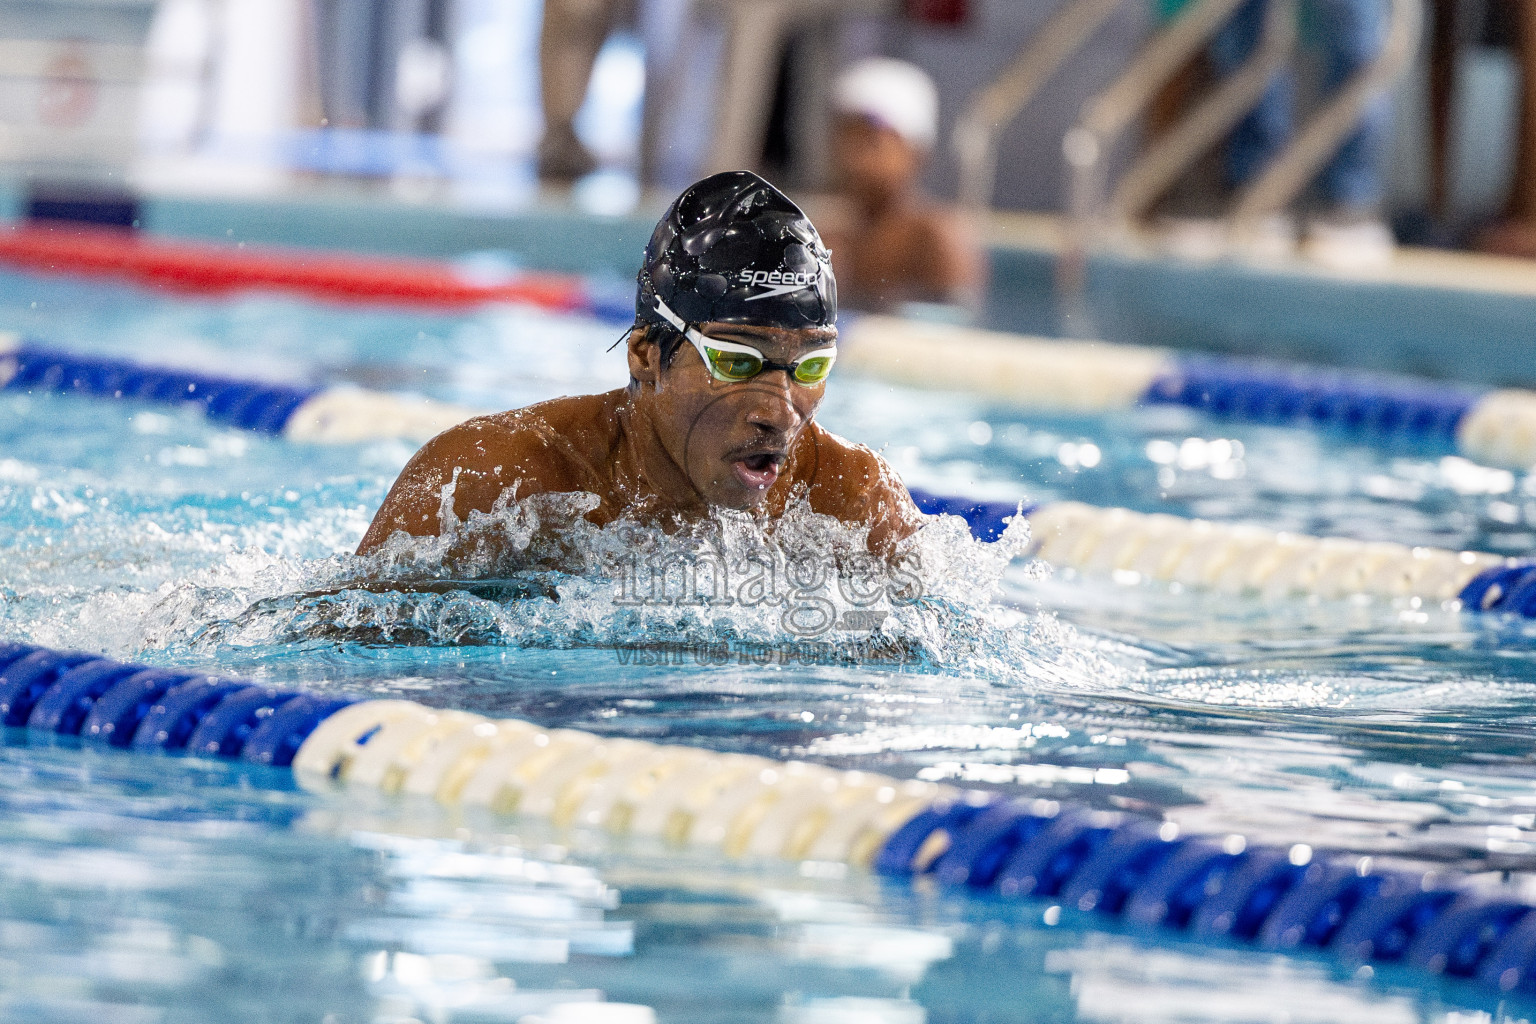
{"type": "Point", "coordinates": [1241, 559]}
{"type": "Point", "coordinates": [333, 415]}
{"type": "Point", "coordinates": [1230, 558]}
{"type": "Point", "coordinates": [1133, 869]}
{"type": "Point", "coordinates": [1497, 427]}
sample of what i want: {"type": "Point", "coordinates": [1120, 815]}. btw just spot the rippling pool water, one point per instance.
{"type": "Point", "coordinates": [170, 889]}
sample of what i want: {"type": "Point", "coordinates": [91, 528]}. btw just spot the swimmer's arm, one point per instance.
{"type": "Point", "coordinates": [488, 456]}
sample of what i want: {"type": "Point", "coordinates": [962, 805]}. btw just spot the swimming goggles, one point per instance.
{"type": "Point", "coordinates": [732, 362]}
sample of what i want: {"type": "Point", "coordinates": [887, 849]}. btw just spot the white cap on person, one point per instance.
{"type": "Point", "coordinates": [892, 93]}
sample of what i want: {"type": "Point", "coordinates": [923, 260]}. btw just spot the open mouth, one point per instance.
{"type": "Point", "coordinates": [759, 470]}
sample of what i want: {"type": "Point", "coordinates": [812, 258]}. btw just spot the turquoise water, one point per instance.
{"type": "Point", "coordinates": [161, 889]}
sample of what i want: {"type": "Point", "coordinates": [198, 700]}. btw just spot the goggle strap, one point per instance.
{"type": "Point", "coordinates": [698, 339]}
{"type": "Point", "coordinates": [669, 316]}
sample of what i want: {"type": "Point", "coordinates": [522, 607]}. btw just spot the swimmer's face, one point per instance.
{"type": "Point", "coordinates": [869, 159]}
{"type": "Point", "coordinates": [731, 440]}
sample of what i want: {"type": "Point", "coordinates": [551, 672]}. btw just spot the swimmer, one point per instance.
{"type": "Point", "coordinates": [729, 357]}
{"type": "Point", "coordinates": [893, 245]}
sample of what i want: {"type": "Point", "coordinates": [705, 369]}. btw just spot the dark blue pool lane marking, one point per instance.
{"type": "Point", "coordinates": [139, 707]}
{"type": "Point", "coordinates": [1114, 866]}
{"type": "Point", "coordinates": [985, 518]}
{"type": "Point", "coordinates": [1374, 405]}
{"type": "Point", "coordinates": [251, 405]}
{"type": "Point", "coordinates": [1119, 866]}
{"type": "Point", "coordinates": [1509, 588]}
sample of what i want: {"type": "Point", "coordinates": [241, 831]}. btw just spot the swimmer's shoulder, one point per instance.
{"type": "Point", "coordinates": [548, 448]}
{"type": "Point", "coordinates": [844, 469]}
{"type": "Point", "coordinates": [574, 416]}
{"type": "Point", "coordinates": [853, 483]}
{"type": "Point", "coordinates": [555, 444]}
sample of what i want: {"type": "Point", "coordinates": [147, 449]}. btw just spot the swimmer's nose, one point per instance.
{"type": "Point", "coordinates": [773, 406]}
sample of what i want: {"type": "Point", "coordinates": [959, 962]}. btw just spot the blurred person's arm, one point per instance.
{"type": "Point", "coordinates": [953, 265]}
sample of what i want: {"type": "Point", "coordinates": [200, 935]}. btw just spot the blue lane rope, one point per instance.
{"type": "Point", "coordinates": [1271, 897]}
{"type": "Point", "coordinates": [1508, 588]}
{"type": "Point", "coordinates": [73, 693]}
{"type": "Point", "coordinates": [985, 518]}
{"type": "Point", "coordinates": [1129, 868]}
{"type": "Point", "coordinates": [1377, 405]}
{"type": "Point", "coordinates": [251, 405]}
{"type": "Point", "coordinates": [1497, 425]}
{"type": "Point", "coordinates": [1257, 391]}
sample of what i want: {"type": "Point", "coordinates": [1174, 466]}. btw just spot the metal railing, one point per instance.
{"type": "Point", "coordinates": [1175, 150]}
{"type": "Point", "coordinates": [1289, 173]}
{"type": "Point", "coordinates": [1106, 117]}
{"type": "Point", "coordinates": [994, 107]}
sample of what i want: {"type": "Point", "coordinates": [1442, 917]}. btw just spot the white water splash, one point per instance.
{"type": "Point", "coordinates": [535, 573]}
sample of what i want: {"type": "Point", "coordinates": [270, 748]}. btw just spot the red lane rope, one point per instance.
{"type": "Point", "coordinates": [201, 267]}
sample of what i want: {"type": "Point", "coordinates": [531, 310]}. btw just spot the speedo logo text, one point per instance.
{"type": "Point", "coordinates": [778, 282]}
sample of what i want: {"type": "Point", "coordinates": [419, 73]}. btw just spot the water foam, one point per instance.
{"type": "Point", "coordinates": [537, 573]}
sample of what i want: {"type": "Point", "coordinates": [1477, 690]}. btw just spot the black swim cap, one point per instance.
{"type": "Point", "coordinates": [734, 249]}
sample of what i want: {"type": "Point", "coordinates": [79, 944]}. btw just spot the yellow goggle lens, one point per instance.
{"type": "Point", "coordinates": [734, 366]}
{"type": "Point", "coordinates": [813, 370]}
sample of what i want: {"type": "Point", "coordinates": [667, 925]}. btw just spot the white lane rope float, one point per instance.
{"type": "Point", "coordinates": [1135, 869]}
{"type": "Point", "coordinates": [1496, 427]}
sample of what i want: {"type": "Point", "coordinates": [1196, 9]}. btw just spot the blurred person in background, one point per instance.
{"type": "Point", "coordinates": [383, 65]}
{"type": "Point", "coordinates": [352, 62]}
{"type": "Point", "coordinates": [892, 245]}
{"type": "Point", "coordinates": [1514, 232]}
{"type": "Point", "coordinates": [1346, 226]}
{"type": "Point", "coordinates": [572, 36]}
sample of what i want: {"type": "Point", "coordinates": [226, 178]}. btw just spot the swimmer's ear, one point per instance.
{"type": "Point", "coordinates": [644, 356]}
